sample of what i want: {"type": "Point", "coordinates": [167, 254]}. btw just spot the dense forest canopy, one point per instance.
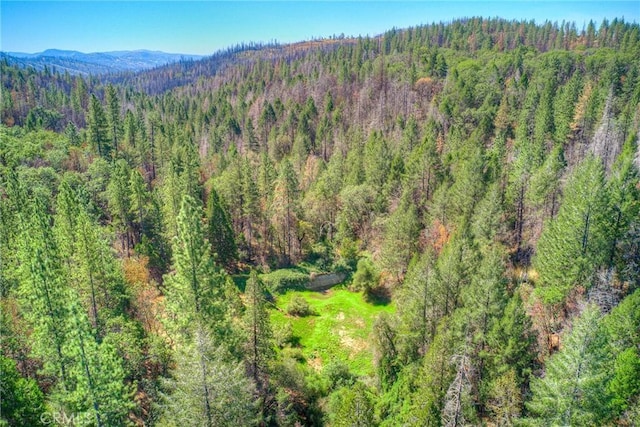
{"type": "Point", "coordinates": [473, 186]}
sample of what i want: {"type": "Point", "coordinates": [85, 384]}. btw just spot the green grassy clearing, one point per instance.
{"type": "Point", "coordinates": [341, 327]}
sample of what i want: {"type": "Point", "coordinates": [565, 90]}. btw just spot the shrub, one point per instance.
{"type": "Point", "coordinates": [281, 280]}
{"type": "Point", "coordinates": [366, 277]}
{"type": "Point", "coordinates": [283, 334]}
{"type": "Point", "coordinates": [338, 374]}
{"type": "Point", "coordinates": [298, 306]}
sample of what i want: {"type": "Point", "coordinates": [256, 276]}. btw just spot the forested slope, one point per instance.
{"type": "Point", "coordinates": [482, 174]}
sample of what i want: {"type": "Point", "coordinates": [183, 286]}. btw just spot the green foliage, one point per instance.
{"type": "Point", "coordinates": [285, 210]}
{"type": "Point", "coordinates": [298, 306]}
{"type": "Point", "coordinates": [511, 342]}
{"type": "Point", "coordinates": [366, 278]}
{"type": "Point", "coordinates": [575, 243]}
{"type": "Point", "coordinates": [434, 379]}
{"type": "Point", "coordinates": [194, 289]}
{"type": "Point", "coordinates": [206, 390]}
{"type": "Point", "coordinates": [453, 153]}
{"type": "Point", "coordinates": [418, 308]}
{"type": "Point", "coordinates": [22, 401]}
{"type": "Point", "coordinates": [505, 399]}
{"type": "Point", "coordinates": [385, 339]}
{"type": "Point", "coordinates": [341, 329]}
{"type": "Point", "coordinates": [280, 281]}
{"type": "Point", "coordinates": [338, 374]}
{"type": "Point", "coordinates": [43, 291]}
{"type": "Point", "coordinates": [400, 239]}
{"type": "Point", "coordinates": [220, 234]}
{"type": "Point", "coordinates": [257, 327]}
{"type": "Point", "coordinates": [574, 388]}
{"type": "Point", "coordinates": [625, 384]}
{"type": "Point", "coordinates": [352, 406]}
{"type": "Point", "coordinates": [622, 326]}
{"type": "Point", "coordinates": [98, 129]}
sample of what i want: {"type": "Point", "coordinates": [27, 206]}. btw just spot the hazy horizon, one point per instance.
{"type": "Point", "coordinates": [202, 28]}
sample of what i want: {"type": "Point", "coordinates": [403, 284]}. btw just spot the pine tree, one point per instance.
{"type": "Point", "coordinates": [624, 205]}
{"type": "Point", "coordinates": [622, 326]}
{"type": "Point", "coordinates": [386, 360]}
{"type": "Point", "coordinates": [113, 119]}
{"type": "Point", "coordinates": [418, 314]}
{"type": "Point", "coordinates": [352, 407]}
{"type": "Point", "coordinates": [400, 239]}
{"type": "Point", "coordinates": [505, 399]}
{"type": "Point", "coordinates": [206, 390]}
{"type": "Point", "coordinates": [285, 209]}
{"type": "Point", "coordinates": [259, 344]}
{"type": "Point", "coordinates": [71, 132]}
{"type": "Point", "coordinates": [483, 304]}
{"type": "Point", "coordinates": [118, 194]}
{"type": "Point", "coordinates": [44, 292]}
{"type": "Point", "coordinates": [511, 342]}
{"type": "Point", "coordinates": [22, 401]}
{"type": "Point", "coordinates": [139, 197]}
{"type": "Point", "coordinates": [98, 129]}
{"type": "Point", "coordinates": [575, 243]}
{"type": "Point", "coordinates": [97, 374]}
{"type": "Point", "coordinates": [220, 233]}
{"type": "Point", "coordinates": [250, 207]}
{"type": "Point", "coordinates": [434, 379]}
{"type": "Point", "coordinates": [573, 390]}
{"type": "Point", "coordinates": [194, 289]}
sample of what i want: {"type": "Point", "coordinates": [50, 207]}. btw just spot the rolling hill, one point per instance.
{"type": "Point", "coordinates": [75, 62]}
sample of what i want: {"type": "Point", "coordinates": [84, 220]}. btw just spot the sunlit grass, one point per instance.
{"type": "Point", "coordinates": [340, 328]}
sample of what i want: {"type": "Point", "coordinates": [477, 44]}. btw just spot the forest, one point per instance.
{"type": "Point", "coordinates": [470, 189]}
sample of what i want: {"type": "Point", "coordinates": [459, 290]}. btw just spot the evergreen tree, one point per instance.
{"type": "Point", "coordinates": [573, 390]}
{"type": "Point", "coordinates": [139, 197]}
{"type": "Point", "coordinates": [418, 314]}
{"type": "Point", "coordinates": [505, 399]}
{"type": "Point", "coordinates": [220, 233]}
{"type": "Point", "coordinates": [98, 129]}
{"type": "Point", "coordinates": [622, 326]}
{"type": "Point", "coordinates": [113, 119]}
{"type": "Point", "coordinates": [119, 197]}
{"type": "Point", "coordinates": [575, 243]}
{"type": "Point", "coordinates": [511, 342]}
{"type": "Point", "coordinates": [259, 345]}
{"type": "Point", "coordinates": [285, 209]}
{"type": "Point", "coordinates": [250, 207]}
{"type": "Point", "coordinates": [206, 390]}
{"type": "Point", "coordinates": [353, 407]}
{"type": "Point", "coordinates": [71, 131]}
{"type": "Point", "coordinates": [195, 289]}
{"type": "Point", "coordinates": [434, 379]}
{"type": "Point", "coordinates": [400, 239]}
{"type": "Point", "coordinates": [44, 293]}
{"type": "Point", "coordinates": [385, 339]}
{"type": "Point", "coordinates": [624, 205]}
{"type": "Point", "coordinates": [22, 401]}
{"type": "Point", "coordinates": [97, 374]}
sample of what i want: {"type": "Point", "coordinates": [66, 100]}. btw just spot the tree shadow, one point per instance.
{"type": "Point", "coordinates": [380, 296]}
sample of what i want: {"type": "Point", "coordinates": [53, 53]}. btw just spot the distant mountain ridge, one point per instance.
{"type": "Point", "coordinates": [75, 62]}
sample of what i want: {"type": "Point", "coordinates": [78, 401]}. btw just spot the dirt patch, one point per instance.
{"type": "Point", "coordinates": [354, 344]}
{"type": "Point", "coordinates": [340, 317]}
{"type": "Point", "coordinates": [316, 363]}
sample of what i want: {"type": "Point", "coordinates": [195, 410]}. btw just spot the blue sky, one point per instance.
{"type": "Point", "coordinates": [203, 27]}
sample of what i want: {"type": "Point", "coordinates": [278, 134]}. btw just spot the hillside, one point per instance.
{"type": "Point", "coordinates": [74, 62]}
{"type": "Point", "coordinates": [476, 182]}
